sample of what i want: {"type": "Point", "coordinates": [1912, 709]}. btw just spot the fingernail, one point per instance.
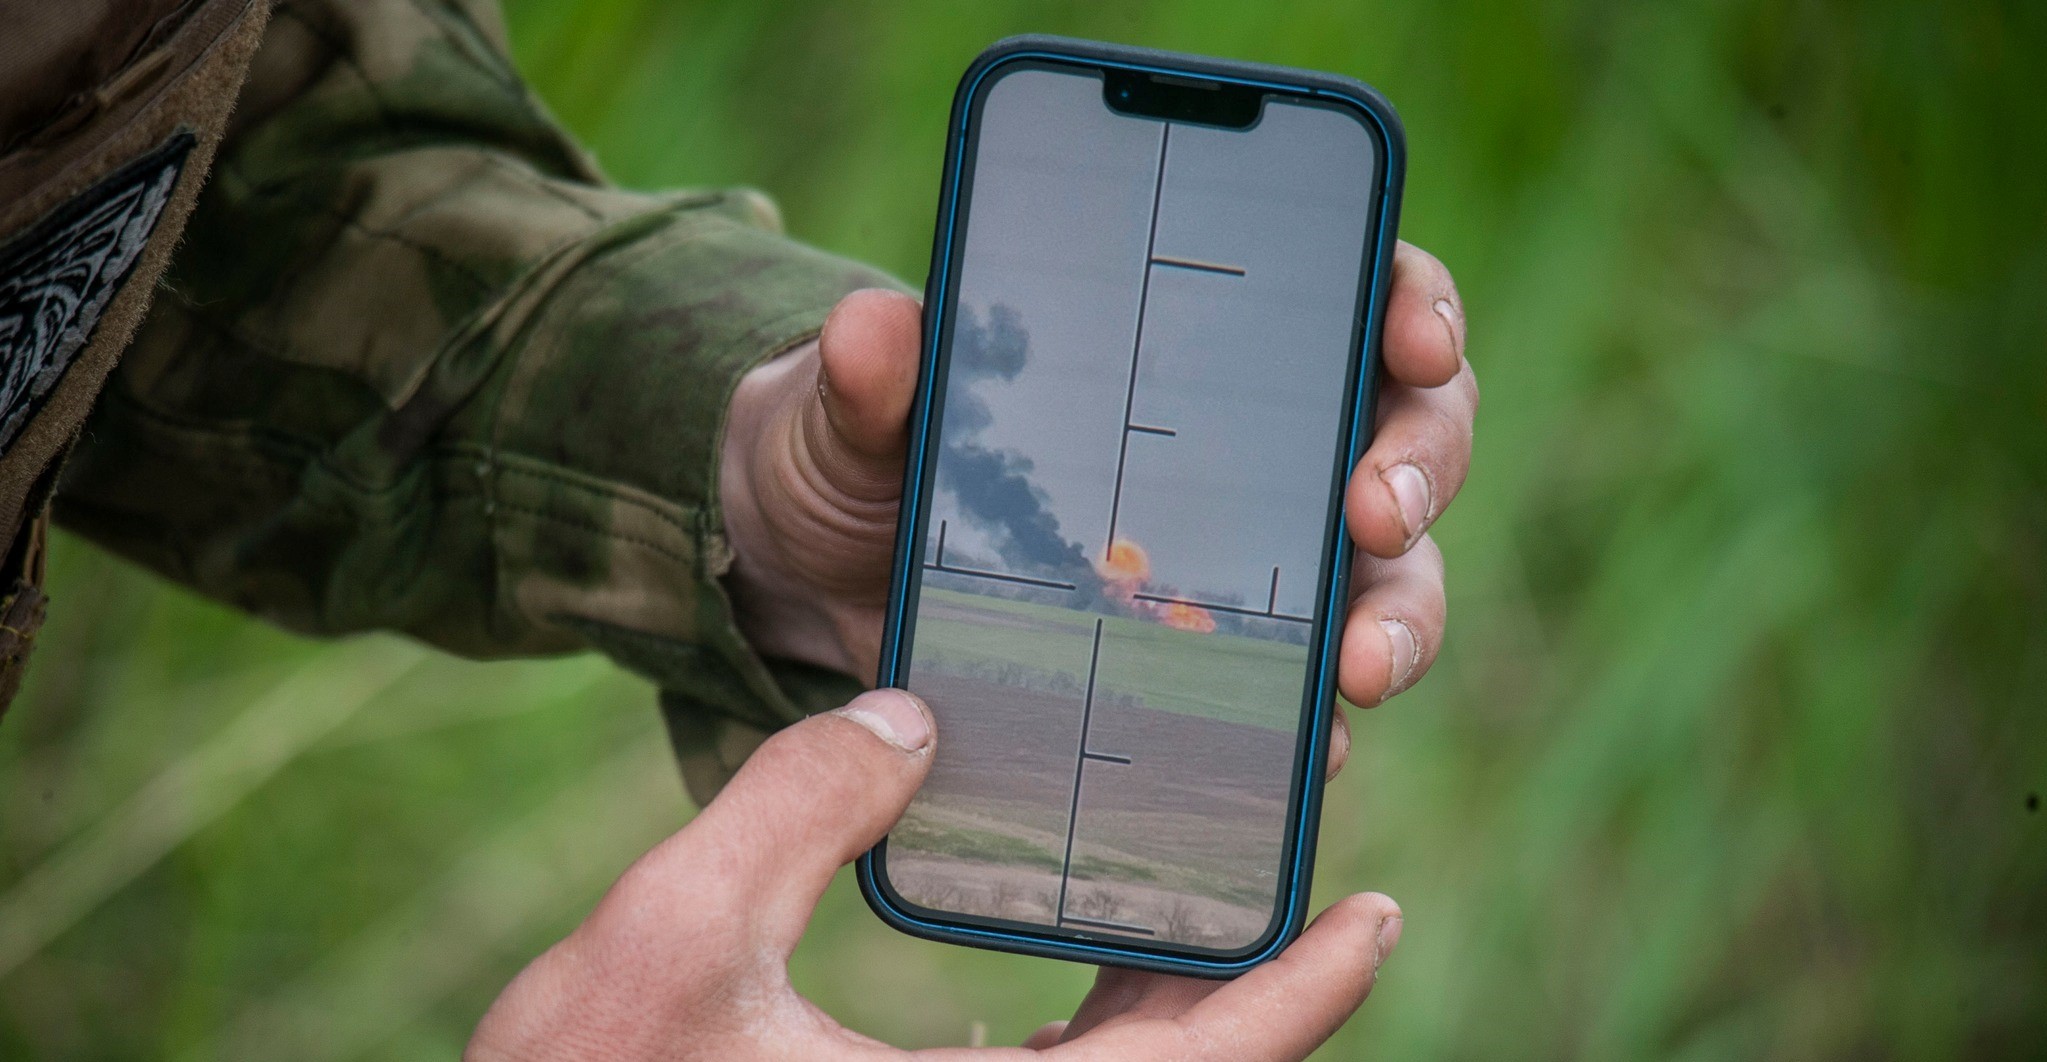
{"type": "Point", "coordinates": [893, 716]}
{"type": "Point", "coordinates": [1400, 640]}
{"type": "Point", "coordinates": [1449, 315]}
{"type": "Point", "coordinates": [1389, 935]}
{"type": "Point", "coordinates": [1411, 493]}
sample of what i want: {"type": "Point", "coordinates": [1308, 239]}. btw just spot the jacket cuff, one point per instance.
{"type": "Point", "coordinates": [599, 457]}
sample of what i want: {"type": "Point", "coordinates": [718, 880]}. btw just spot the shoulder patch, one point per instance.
{"type": "Point", "coordinates": [59, 274]}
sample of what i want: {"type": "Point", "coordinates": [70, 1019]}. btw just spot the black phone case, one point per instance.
{"type": "Point", "coordinates": [1312, 764]}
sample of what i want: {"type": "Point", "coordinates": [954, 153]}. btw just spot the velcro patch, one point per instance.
{"type": "Point", "coordinates": [58, 276]}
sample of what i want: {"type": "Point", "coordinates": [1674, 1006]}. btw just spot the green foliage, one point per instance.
{"type": "Point", "coordinates": [1735, 750]}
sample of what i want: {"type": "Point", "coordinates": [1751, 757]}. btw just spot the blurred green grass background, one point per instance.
{"type": "Point", "coordinates": [1737, 745]}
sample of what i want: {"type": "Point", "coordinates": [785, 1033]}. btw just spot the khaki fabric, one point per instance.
{"type": "Point", "coordinates": [419, 367]}
{"type": "Point", "coordinates": [87, 88]}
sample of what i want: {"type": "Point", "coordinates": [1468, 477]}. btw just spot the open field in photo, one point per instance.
{"type": "Point", "coordinates": [1183, 840]}
{"type": "Point", "coordinates": [1229, 678]}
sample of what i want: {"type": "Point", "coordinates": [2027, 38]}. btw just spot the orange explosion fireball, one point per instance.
{"type": "Point", "coordinates": [1125, 569]}
{"type": "Point", "coordinates": [1126, 563]}
{"type": "Point", "coordinates": [1188, 618]}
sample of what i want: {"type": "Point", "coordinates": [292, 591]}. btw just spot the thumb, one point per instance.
{"type": "Point", "coordinates": [809, 801]}
{"type": "Point", "coordinates": [867, 371]}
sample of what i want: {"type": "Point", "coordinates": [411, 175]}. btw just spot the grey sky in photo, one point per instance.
{"type": "Point", "coordinates": [1247, 370]}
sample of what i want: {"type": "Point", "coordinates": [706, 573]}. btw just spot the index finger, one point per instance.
{"type": "Point", "coordinates": [757, 858]}
{"type": "Point", "coordinates": [1423, 342]}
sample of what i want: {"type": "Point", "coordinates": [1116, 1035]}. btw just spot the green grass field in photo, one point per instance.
{"type": "Point", "coordinates": [1233, 678]}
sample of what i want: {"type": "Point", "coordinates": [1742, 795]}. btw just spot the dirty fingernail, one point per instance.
{"type": "Point", "coordinates": [894, 716]}
{"type": "Point", "coordinates": [1400, 640]}
{"type": "Point", "coordinates": [1411, 493]}
{"type": "Point", "coordinates": [1449, 315]}
{"type": "Point", "coordinates": [1389, 935]}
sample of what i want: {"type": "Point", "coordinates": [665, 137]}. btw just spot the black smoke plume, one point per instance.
{"type": "Point", "coordinates": [993, 486]}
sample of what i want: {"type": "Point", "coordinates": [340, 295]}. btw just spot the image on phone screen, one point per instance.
{"type": "Point", "coordinates": [1130, 511]}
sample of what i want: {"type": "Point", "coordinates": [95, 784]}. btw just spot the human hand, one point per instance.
{"type": "Point", "coordinates": [687, 956]}
{"type": "Point", "coordinates": [812, 472]}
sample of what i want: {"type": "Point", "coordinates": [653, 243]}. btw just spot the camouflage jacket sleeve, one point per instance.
{"type": "Point", "coordinates": [418, 367]}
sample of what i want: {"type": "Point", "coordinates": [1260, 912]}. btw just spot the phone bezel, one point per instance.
{"type": "Point", "coordinates": [1304, 809]}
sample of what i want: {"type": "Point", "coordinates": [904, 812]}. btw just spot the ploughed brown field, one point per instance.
{"type": "Point", "coordinates": [1183, 841]}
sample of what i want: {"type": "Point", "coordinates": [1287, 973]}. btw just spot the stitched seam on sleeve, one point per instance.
{"type": "Point", "coordinates": [608, 491]}
{"type": "Point", "coordinates": [602, 531]}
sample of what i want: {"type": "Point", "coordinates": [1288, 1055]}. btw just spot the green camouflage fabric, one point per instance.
{"type": "Point", "coordinates": [418, 367]}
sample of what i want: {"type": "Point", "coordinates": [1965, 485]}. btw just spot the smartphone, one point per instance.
{"type": "Point", "coordinates": [1150, 337]}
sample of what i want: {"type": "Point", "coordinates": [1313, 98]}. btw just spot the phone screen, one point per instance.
{"type": "Point", "coordinates": [1143, 397]}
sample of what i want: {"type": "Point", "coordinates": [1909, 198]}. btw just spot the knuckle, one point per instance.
{"type": "Point", "coordinates": [1429, 552]}
{"type": "Point", "coordinates": [784, 753]}
{"type": "Point", "coordinates": [1443, 285]}
{"type": "Point", "coordinates": [846, 762]}
{"type": "Point", "coordinates": [1419, 584]}
{"type": "Point", "coordinates": [1466, 382]}
{"type": "Point", "coordinates": [1438, 281]}
{"type": "Point", "coordinates": [817, 756]}
{"type": "Point", "coordinates": [1448, 431]}
{"type": "Point", "coordinates": [1421, 425]}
